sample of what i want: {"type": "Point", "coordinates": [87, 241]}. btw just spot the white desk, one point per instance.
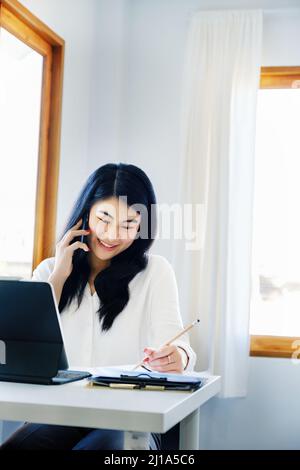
{"type": "Point", "coordinates": [76, 404]}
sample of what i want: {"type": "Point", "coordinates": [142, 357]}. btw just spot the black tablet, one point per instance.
{"type": "Point", "coordinates": [32, 346]}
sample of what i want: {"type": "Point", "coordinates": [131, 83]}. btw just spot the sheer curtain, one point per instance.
{"type": "Point", "coordinates": [221, 80]}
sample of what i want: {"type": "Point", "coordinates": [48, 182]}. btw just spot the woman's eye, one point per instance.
{"type": "Point", "coordinates": [126, 227]}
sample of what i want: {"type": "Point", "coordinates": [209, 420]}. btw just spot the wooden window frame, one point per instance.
{"type": "Point", "coordinates": [20, 22]}
{"type": "Point", "coordinates": [262, 345]}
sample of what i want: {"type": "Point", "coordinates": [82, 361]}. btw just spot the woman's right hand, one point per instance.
{"type": "Point", "coordinates": [64, 251]}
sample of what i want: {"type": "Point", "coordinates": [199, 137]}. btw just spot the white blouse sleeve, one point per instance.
{"type": "Point", "coordinates": [165, 320]}
{"type": "Point", "coordinates": [43, 270]}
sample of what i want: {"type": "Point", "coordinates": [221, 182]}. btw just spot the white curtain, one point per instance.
{"type": "Point", "coordinates": [221, 81]}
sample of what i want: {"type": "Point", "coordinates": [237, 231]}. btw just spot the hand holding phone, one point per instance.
{"type": "Point", "coordinates": [65, 249]}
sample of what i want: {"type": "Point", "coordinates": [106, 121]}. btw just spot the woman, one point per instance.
{"type": "Point", "coordinates": [118, 303]}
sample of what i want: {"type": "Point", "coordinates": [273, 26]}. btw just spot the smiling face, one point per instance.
{"type": "Point", "coordinates": [113, 226]}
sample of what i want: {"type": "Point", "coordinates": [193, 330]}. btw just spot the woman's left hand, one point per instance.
{"type": "Point", "coordinates": [166, 359]}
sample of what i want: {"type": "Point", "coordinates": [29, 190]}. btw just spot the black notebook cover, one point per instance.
{"type": "Point", "coordinates": [148, 381]}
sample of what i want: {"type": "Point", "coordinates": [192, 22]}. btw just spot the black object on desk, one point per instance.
{"type": "Point", "coordinates": [31, 341]}
{"type": "Point", "coordinates": [148, 381]}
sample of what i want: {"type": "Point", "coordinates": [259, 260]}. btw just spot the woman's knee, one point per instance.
{"type": "Point", "coordinates": [23, 438]}
{"type": "Point", "coordinates": [43, 436]}
{"type": "Point", "coordinates": [102, 439]}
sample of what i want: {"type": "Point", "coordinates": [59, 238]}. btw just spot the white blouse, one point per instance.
{"type": "Point", "coordinates": [150, 318]}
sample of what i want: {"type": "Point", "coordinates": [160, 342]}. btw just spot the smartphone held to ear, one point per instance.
{"type": "Point", "coordinates": [85, 226]}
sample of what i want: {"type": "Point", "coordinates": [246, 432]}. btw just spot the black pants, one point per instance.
{"type": "Point", "coordinates": [44, 436]}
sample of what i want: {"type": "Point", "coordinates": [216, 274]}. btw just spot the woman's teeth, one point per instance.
{"type": "Point", "coordinates": [109, 247]}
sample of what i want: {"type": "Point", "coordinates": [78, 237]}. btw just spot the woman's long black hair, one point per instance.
{"type": "Point", "coordinates": [111, 284]}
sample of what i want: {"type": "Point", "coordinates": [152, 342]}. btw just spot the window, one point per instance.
{"type": "Point", "coordinates": [31, 64]}
{"type": "Point", "coordinates": [275, 302]}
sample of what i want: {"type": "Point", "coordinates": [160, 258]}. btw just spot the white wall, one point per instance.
{"type": "Point", "coordinates": [108, 53]}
